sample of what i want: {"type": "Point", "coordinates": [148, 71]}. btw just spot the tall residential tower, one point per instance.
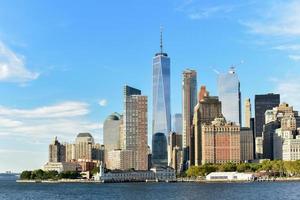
{"type": "Point", "coordinates": [189, 101]}
{"type": "Point", "coordinates": [136, 126]}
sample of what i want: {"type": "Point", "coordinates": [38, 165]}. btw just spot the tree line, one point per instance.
{"type": "Point", "coordinates": [271, 168]}
{"type": "Point", "coordinates": [48, 175]}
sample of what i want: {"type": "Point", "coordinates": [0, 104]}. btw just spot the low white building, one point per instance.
{"type": "Point", "coordinates": [61, 166]}
{"type": "Point", "coordinates": [164, 173]}
{"type": "Point", "coordinates": [229, 176]}
{"type": "Point", "coordinates": [155, 174]}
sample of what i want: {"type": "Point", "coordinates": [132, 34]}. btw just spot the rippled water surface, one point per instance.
{"type": "Point", "coordinates": [288, 190]}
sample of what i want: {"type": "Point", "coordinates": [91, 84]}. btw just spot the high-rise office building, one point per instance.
{"type": "Point", "coordinates": [207, 109]}
{"type": "Point", "coordinates": [161, 115]}
{"type": "Point", "coordinates": [56, 151]}
{"type": "Point", "coordinates": [230, 95]}
{"type": "Point", "coordinates": [263, 103]}
{"type": "Point", "coordinates": [220, 142]}
{"type": "Point", "coordinates": [189, 101]}
{"type": "Point", "coordinates": [98, 152]}
{"type": "Point", "coordinates": [174, 140]}
{"type": "Point", "coordinates": [83, 146]}
{"type": "Point", "coordinates": [136, 126]}
{"type": "Point", "coordinates": [282, 117]}
{"type": "Point", "coordinates": [70, 152]}
{"type": "Point", "coordinates": [159, 150]}
{"type": "Point", "coordinates": [247, 113]}
{"type": "Point", "coordinates": [177, 123]}
{"type": "Point", "coordinates": [111, 132]}
{"type": "Point", "coordinates": [247, 143]}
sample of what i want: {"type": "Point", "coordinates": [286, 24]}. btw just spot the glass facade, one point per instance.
{"type": "Point", "coordinates": [160, 154]}
{"type": "Point", "coordinates": [230, 96]}
{"type": "Point", "coordinates": [161, 119]}
{"type": "Point", "coordinates": [177, 123]}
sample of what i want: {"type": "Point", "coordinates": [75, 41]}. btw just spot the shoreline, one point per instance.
{"type": "Point", "coordinates": [297, 179]}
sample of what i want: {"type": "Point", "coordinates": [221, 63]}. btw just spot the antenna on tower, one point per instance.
{"type": "Point", "coordinates": [234, 66]}
{"type": "Point", "coordinates": [161, 39]}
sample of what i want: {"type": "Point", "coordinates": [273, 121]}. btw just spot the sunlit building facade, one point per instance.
{"type": "Point", "coordinates": [221, 142]}
{"type": "Point", "coordinates": [230, 95]}
{"type": "Point", "coordinates": [189, 101]}
{"type": "Point", "coordinates": [136, 126]}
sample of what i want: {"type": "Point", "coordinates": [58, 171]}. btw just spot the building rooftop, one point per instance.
{"type": "Point", "coordinates": [114, 116]}
{"type": "Point", "coordinates": [84, 135]}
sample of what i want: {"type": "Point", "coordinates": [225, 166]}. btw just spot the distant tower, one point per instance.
{"type": "Point", "coordinates": [56, 151]}
{"type": "Point", "coordinates": [161, 120]}
{"type": "Point", "coordinates": [230, 96]}
{"type": "Point", "coordinates": [247, 113]}
{"type": "Point", "coordinates": [189, 101]}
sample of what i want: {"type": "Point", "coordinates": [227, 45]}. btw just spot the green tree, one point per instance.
{"type": "Point", "coordinates": [50, 175]}
{"type": "Point", "coordinates": [193, 171]}
{"type": "Point", "coordinates": [207, 169]}
{"type": "Point", "coordinates": [25, 175]}
{"type": "Point", "coordinates": [69, 175]}
{"type": "Point", "coordinates": [243, 167]}
{"type": "Point", "coordinates": [95, 170]}
{"type": "Point", "coordinates": [227, 167]}
{"type": "Point", "coordinates": [38, 174]}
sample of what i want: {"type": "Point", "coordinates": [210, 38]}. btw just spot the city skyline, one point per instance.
{"type": "Point", "coordinates": [55, 84]}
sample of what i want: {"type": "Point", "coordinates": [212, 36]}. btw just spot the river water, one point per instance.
{"type": "Point", "coordinates": [9, 189]}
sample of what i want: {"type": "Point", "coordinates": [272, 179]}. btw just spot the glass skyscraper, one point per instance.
{"type": "Point", "coordinates": [161, 120]}
{"type": "Point", "coordinates": [230, 96]}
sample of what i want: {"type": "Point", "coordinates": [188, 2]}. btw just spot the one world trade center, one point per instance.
{"type": "Point", "coordinates": [161, 120]}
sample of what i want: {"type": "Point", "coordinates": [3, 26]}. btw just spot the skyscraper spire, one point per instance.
{"type": "Point", "coordinates": [161, 39]}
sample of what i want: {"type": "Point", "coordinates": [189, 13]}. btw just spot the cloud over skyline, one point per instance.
{"type": "Point", "coordinates": [65, 119]}
{"type": "Point", "coordinates": [12, 67]}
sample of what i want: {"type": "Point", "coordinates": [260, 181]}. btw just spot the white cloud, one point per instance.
{"type": "Point", "coordinates": [9, 123]}
{"type": "Point", "coordinates": [65, 109]}
{"type": "Point", "coordinates": [64, 120]}
{"type": "Point", "coordinates": [281, 18]}
{"type": "Point", "coordinates": [12, 67]}
{"type": "Point", "coordinates": [288, 87]}
{"type": "Point", "coordinates": [196, 10]}
{"type": "Point", "coordinates": [288, 47]}
{"type": "Point", "coordinates": [202, 13]}
{"type": "Point", "coordinates": [294, 57]}
{"type": "Point", "coordinates": [103, 102]}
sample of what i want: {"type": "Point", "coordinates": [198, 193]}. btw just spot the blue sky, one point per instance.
{"type": "Point", "coordinates": [63, 64]}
